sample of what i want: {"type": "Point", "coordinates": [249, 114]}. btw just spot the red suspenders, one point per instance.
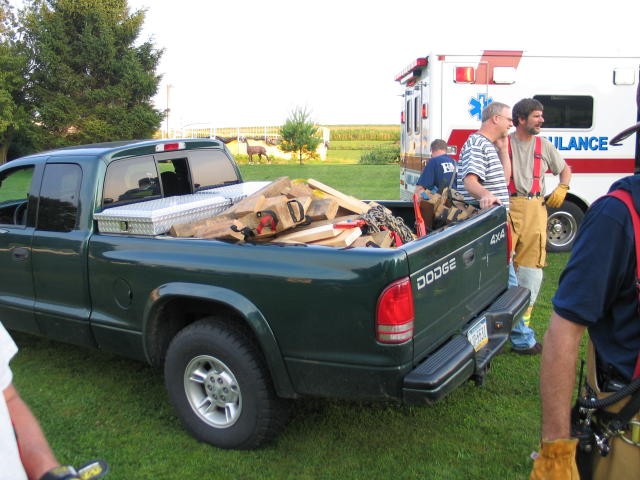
{"type": "Point", "coordinates": [537, 158]}
{"type": "Point", "coordinates": [626, 198]}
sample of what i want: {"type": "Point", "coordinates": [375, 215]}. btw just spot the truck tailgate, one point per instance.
{"type": "Point", "coordinates": [455, 275]}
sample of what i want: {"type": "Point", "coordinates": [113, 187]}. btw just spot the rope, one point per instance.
{"type": "Point", "coordinates": [378, 217]}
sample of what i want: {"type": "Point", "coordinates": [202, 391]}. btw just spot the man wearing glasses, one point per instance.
{"type": "Point", "coordinates": [483, 170]}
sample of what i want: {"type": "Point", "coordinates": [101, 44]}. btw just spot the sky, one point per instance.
{"type": "Point", "coordinates": [231, 63]}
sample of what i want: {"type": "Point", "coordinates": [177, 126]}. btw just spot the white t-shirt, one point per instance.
{"type": "Point", "coordinates": [10, 464]}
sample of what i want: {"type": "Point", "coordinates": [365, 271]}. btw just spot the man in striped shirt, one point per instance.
{"type": "Point", "coordinates": [483, 170]}
{"type": "Point", "coordinates": [482, 167]}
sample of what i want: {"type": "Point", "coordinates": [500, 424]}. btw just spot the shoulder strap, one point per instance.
{"type": "Point", "coordinates": [512, 186]}
{"type": "Point", "coordinates": [625, 197]}
{"type": "Point", "coordinates": [537, 159]}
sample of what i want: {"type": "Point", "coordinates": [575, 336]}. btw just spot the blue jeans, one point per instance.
{"type": "Point", "coordinates": [522, 336]}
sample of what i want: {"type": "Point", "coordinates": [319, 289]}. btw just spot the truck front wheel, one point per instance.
{"type": "Point", "coordinates": [220, 388]}
{"type": "Point", "coordinates": [562, 226]}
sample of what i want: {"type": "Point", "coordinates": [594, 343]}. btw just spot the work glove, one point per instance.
{"type": "Point", "coordinates": [556, 460]}
{"type": "Point", "coordinates": [91, 471]}
{"type": "Point", "coordinates": [555, 198]}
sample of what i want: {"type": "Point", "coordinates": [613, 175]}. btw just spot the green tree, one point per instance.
{"type": "Point", "coordinates": [299, 134]}
{"type": "Point", "coordinates": [14, 115]}
{"type": "Point", "coordinates": [88, 81]}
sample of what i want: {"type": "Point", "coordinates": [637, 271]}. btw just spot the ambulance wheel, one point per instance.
{"type": "Point", "coordinates": [562, 226]}
{"type": "Point", "coordinates": [220, 387]}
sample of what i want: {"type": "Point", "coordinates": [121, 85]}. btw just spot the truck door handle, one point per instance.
{"type": "Point", "coordinates": [469, 257]}
{"type": "Point", "coordinates": [20, 253]}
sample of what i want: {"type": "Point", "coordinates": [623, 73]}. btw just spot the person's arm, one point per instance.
{"type": "Point", "coordinates": [557, 376]}
{"type": "Point", "coordinates": [474, 187]}
{"type": "Point", "coordinates": [502, 146]}
{"type": "Point", "coordinates": [35, 452]}
{"type": "Point", "coordinates": [565, 175]}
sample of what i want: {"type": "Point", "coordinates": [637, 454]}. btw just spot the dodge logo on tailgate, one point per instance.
{"type": "Point", "coordinates": [436, 273]}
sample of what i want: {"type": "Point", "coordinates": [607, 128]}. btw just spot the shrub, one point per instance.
{"type": "Point", "coordinates": [381, 156]}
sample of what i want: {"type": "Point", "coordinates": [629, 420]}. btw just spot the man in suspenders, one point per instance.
{"type": "Point", "coordinates": [599, 291]}
{"type": "Point", "coordinates": [531, 156]}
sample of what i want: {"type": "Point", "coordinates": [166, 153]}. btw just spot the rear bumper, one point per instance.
{"type": "Point", "coordinates": [456, 361]}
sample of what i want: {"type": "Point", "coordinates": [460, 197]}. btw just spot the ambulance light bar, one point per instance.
{"type": "Point", "coordinates": [412, 70]}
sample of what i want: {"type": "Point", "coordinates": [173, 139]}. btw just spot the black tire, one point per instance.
{"type": "Point", "coordinates": [219, 385]}
{"type": "Point", "coordinates": [562, 226]}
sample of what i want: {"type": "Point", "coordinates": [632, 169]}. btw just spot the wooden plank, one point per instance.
{"type": "Point", "coordinates": [345, 201]}
{"type": "Point", "coordinates": [344, 239]}
{"type": "Point", "coordinates": [280, 186]}
{"type": "Point", "coordinates": [299, 189]}
{"type": "Point", "coordinates": [310, 234]}
{"type": "Point", "coordinates": [383, 239]}
{"type": "Point", "coordinates": [221, 230]}
{"type": "Point", "coordinates": [322, 209]}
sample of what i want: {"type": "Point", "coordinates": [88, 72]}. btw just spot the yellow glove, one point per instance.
{"type": "Point", "coordinates": [555, 198]}
{"type": "Point", "coordinates": [556, 460]}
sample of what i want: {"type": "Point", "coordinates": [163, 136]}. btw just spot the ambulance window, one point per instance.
{"type": "Point", "coordinates": [409, 118]}
{"type": "Point", "coordinates": [567, 111]}
{"type": "Point", "coordinates": [416, 114]}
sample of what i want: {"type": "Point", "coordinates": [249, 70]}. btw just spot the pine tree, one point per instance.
{"type": "Point", "coordinates": [14, 115]}
{"type": "Point", "coordinates": [88, 80]}
{"type": "Point", "coordinates": [299, 134]}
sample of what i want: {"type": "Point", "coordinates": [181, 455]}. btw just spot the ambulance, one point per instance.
{"type": "Point", "coordinates": [587, 100]}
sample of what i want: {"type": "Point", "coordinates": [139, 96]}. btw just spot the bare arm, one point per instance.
{"type": "Point", "coordinates": [474, 187]}
{"type": "Point", "coordinates": [565, 175]}
{"type": "Point", "coordinates": [557, 376]}
{"type": "Point", "coordinates": [35, 453]}
{"type": "Point", "coordinates": [418, 190]}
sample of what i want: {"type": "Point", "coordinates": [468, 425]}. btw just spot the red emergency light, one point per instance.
{"type": "Point", "coordinates": [465, 75]}
{"type": "Point", "coordinates": [425, 111]}
{"type": "Point", "coordinates": [402, 117]}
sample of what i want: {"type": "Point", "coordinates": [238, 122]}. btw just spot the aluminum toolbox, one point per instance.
{"type": "Point", "coordinates": [237, 192]}
{"type": "Point", "coordinates": [155, 217]}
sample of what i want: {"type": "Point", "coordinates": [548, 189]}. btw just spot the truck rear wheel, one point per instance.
{"type": "Point", "coordinates": [220, 388]}
{"type": "Point", "coordinates": [562, 226]}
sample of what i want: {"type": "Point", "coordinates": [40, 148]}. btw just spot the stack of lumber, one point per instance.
{"type": "Point", "coordinates": [292, 212]}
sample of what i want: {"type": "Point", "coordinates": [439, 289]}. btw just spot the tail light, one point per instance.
{"type": "Point", "coordinates": [394, 313]}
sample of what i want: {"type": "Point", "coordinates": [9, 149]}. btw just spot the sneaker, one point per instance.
{"type": "Point", "coordinates": [535, 350]}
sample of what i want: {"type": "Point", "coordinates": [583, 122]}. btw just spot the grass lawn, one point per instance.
{"type": "Point", "coordinates": [93, 404]}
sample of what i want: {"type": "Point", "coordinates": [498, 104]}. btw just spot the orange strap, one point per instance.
{"type": "Point", "coordinates": [626, 198]}
{"type": "Point", "coordinates": [537, 158]}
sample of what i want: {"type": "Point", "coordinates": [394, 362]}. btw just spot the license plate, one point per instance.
{"type": "Point", "coordinates": [477, 334]}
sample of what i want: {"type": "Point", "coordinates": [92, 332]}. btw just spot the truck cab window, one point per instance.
{"type": "Point", "coordinates": [211, 168]}
{"type": "Point", "coordinates": [59, 198]}
{"type": "Point", "coordinates": [14, 195]}
{"type": "Point", "coordinates": [567, 111]}
{"type": "Point", "coordinates": [174, 177]}
{"type": "Point", "coordinates": [130, 180]}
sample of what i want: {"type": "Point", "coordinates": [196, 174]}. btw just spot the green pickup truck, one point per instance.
{"type": "Point", "coordinates": [242, 328]}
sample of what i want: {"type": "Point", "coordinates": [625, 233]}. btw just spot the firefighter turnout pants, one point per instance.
{"type": "Point", "coordinates": [528, 219]}
{"type": "Point", "coordinates": [623, 461]}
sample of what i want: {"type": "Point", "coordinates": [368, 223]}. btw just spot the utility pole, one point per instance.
{"type": "Point", "coordinates": [169, 86]}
